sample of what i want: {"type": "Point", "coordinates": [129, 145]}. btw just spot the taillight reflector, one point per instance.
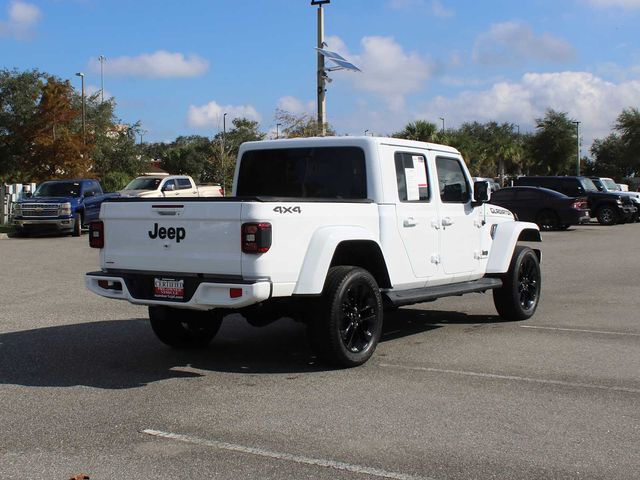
{"type": "Point", "coordinates": [256, 237]}
{"type": "Point", "coordinates": [235, 292]}
{"type": "Point", "coordinates": [96, 234]}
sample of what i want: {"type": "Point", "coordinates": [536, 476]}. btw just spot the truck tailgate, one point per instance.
{"type": "Point", "coordinates": [177, 236]}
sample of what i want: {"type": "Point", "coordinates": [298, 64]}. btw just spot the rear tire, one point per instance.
{"type": "Point", "coordinates": [607, 215]}
{"type": "Point", "coordinates": [347, 326]}
{"type": "Point", "coordinates": [180, 328]}
{"type": "Point", "coordinates": [519, 295]}
{"type": "Point", "coordinates": [547, 220]}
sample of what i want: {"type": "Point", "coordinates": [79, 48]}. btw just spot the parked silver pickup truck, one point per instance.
{"type": "Point", "coordinates": [169, 186]}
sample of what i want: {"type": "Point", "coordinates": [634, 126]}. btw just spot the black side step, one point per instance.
{"type": "Point", "coordinates": [428, 294]}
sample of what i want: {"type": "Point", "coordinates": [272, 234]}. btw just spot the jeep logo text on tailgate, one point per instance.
{"type": "Point", "coordinates": [177, 234]}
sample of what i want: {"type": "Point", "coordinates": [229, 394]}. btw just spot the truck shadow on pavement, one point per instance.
{"type": "Point", "coordinates": [122, 354]}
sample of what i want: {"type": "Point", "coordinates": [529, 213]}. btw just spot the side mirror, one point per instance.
{"type": "Point", "coordinates": [90, 193]}
{"type": "Point", "coordinates": [480, 193]}
{"type": "Point", "coordinates": [169, 187]}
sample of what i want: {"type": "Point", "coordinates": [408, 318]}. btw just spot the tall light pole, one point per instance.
{"type": "Point", "coordinates": [224, 152]}
{"type": "Point", "coordinates": [442, 118]}
{"type": "Point", "coordinates": [102, 59]}
{"type": "Point", "coordinates": [578, 147]}
{"type": "Point", "coordinates": [321, 74]}
{"type": "Point", "coordinates": [84, 125]}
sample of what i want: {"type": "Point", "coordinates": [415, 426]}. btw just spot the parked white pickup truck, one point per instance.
{"type": "Point", "coordinates": [169, 186]}
{"type": "Point", "coordinates": [328, 231]}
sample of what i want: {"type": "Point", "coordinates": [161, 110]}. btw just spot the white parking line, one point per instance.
{"type": "Point", "coordinates": [283, 456]}
{"type": "Point", "coordinates": [512, 378]}
{"type": "Point", "coordinates": [602, 332]}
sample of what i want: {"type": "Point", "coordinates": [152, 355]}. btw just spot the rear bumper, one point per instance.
{"type": "Point", "coordinates": [200, 293]}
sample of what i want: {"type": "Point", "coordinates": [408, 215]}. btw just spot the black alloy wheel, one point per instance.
{"type": "Point", "coordinates": [607, 215]}
{"type": "Point", "coordinates": [519, 295]}
{"type": "Point", "coordinates": [347, 327]}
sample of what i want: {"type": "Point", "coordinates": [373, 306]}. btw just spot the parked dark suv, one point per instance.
{"type": "Point", "coordinates": [551, 210]}
{"type": "Point", "coordinates": [608, 208]}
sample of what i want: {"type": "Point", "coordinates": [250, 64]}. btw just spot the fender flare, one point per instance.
{"type": "Point", "coordinates": [505, 239]}
{"type": "Point", "coordinates": [320, 252]}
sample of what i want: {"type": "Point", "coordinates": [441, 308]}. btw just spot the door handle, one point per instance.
{"type": "Point", "coordinates": [447, 222]}
{"type": "Point", "coordinates": [409, 222]}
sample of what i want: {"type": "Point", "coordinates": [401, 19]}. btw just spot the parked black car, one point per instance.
{"type": "Point", "coordinates": [551, 210]}
{"type": "Point", "coordinates": [608, 208]}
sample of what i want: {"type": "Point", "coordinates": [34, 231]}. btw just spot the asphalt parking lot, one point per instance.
{"type": "Point", "coordinates": [452, 392]}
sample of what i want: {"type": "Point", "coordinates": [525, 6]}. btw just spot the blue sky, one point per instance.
{"type": "Point", "coordinates": [176, 66]}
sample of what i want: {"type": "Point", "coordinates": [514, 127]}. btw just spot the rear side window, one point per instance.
{"type": "Point", "coordinates": [411, 176]}
{"type": "Point", "coordinates": [183, 183]}
{"type": "Point", "coordinates": [326, 172]}
{"type": "Point", "coordinates": [452, 181]}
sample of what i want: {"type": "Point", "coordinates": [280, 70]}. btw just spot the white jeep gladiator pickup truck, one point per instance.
{"type": "Point", "coordinates": [168, 186]}
{"type": "Point", "coordinates": [328, 231]}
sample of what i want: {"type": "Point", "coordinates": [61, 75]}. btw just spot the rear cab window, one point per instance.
{"type": "Point", "coordinates": [183, 183]}
{"type": "Point", "coordinates": [324, 172]}
{"type": "Point", "coordinates": [412, 177]}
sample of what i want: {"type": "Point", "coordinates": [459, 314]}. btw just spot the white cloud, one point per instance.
{"type": "Point", "coordinates": [628, 4]}
{"type": "Point", "coordinates": [296, 106]}
{"type": "Point", "coordinates": [387, 70]}
{"type": "Point", "coordinates": [586, 97]}
{"type": "Point", "coordinates": [160, 64]}
{"type": "Point", "coordinates": [210, 115]}
{"type": "Point", "coordinates": [515, 42]}
{"type": "Point", "coordinates": [440, 10]}
{"type": "Point", "coordinates": [23, 17]}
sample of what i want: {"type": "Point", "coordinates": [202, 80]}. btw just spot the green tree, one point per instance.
{"type": "Point", "coordinates": [553, 146]}
{"type": "Point", "coordinates": [296, 126]}
{"type": "Point", "coordinates": [189, 155]}
{"type": "Point", "coordinates": [20, 94]}
{"type": "Point", "coordinates": [226, 149]}
{"type": "Point", "coordinates": [421, 131]}
{"type": "Point", "coordinates": [628, 127]}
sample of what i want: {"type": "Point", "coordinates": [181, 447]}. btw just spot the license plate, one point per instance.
{"type": "Point", "coordinates": [169, 288]}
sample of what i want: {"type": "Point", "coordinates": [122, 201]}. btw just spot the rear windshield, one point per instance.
{"type": "Point", "coordinates": [327, 172]}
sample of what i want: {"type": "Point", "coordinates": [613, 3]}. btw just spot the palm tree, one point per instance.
{"type": "Point", "coordinates": [420, 130]}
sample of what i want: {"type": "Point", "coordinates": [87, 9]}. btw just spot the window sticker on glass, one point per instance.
{"type": "Point", "coordinates": [421, 171]}
{"type": "Point", "coordinates": [411, 176]}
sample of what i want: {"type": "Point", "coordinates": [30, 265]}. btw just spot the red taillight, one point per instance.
{"type": "Point", "coordinates": [235, 292]}
{"type": "Point", "coordinates": [96, 234]}
{"type": "Point", "coordinates": [256, 237]}
{"type": "Point", "coordinates": [221, 191]}
{"type": "Point", "coordinates": [579, 204]}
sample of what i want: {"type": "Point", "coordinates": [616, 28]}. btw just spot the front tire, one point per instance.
{"type": "Point", "coordinates": [607, 215]}
{"type": "Point", "coordinates": [180, 328]}
{"type": "Point", "coordinates": [77, 225]}
{"type": "Point", "coordinates": [348, 324]}
{"type": "Point", "coordinates": [519, 295]}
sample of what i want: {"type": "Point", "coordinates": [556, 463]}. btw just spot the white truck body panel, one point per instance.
{"type": "Point", "coordinates": [423, 243]}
